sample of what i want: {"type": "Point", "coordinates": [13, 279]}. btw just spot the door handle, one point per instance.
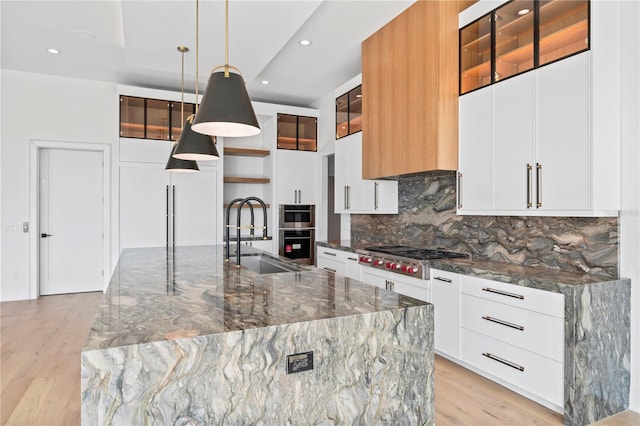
{"type": "Point", "coordinates": [459, 191]}
{"type": "Point", "coordinates": [45, 235]}
{"type": "Point", "coordinates": [375, 195]}
{"type": "Point", "coordinates": [173, 215]}
{"type": "Point", "coordinates": [166, 240]}
{"type": "Point", "coordinates": [529, 169]}
{"type": "Point", "coordinates": [539, 185]}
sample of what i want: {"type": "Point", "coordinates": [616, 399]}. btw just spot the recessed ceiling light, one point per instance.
{"type": "Point", "coordinates": [53, 51]}
{"type": "Point", "coordinates": [523, 11]}
{"type": "Point", "coordinates": [265, 82]}
{"type": "Point", "coordinates": [304, 42]}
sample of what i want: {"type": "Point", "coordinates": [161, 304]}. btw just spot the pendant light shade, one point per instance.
{"type": "Point", "coordinates": [226, 109]}
{"type": "Point", "coordinates": [195, 146]}
{"type": "Point", "coordinates": [180, 166]}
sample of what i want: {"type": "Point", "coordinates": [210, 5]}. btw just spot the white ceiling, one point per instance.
{"type": "Point", "coordinates": [134, 42]}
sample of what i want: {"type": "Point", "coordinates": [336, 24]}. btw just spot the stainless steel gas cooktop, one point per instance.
{"type": "Point", "coordinates": [403, 259]}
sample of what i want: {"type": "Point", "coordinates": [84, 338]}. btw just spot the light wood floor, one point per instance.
{"type": "Point", "coordinates": [40, 343]}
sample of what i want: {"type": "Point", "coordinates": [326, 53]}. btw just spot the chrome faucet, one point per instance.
{"type": "Point", "coordinates": [242, 202]}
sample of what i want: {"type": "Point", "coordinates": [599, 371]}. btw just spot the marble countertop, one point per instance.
{"type": "Point", "coordinates": [527, 276]}
{"type": "Point", "coordinates": [157, 294]}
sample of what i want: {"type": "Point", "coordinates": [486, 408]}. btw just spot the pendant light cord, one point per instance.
{"type": "Point", "coordinates": [182, 94]}
{"type": "Point", "coordinates": [226, 38]}
{"type": "Point", "coordinates": [197, 50]}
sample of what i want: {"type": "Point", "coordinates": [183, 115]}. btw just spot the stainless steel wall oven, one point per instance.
{"type": "Point", "coordinates": [296, 232]}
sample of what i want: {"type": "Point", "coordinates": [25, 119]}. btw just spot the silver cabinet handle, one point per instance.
{"type": "Point", "coordinates": [375, 195]}
{"type": "Point", "coordinates": [446, 280]}
{"type": "Point", "coordinates": [166, 239]}
{"type": "Point", "coordinates": [329, 269]}
{"type": "Point", "coordinates": [502, 322]}
{"type": "Point", "coordinates": [348, 197]}
{"type": "Point", "coordinates": [503, 293]}
{"type": "Point", "coordinates": [529, 170]}
{"type": "Point", "coordinates": [173, 215]}
{"type": "Point", "coordinates": [503, 361]}
{"type": "Point", "coordinates": [355, 259]}
{"type": "Point", "coordinates": [345, 197]}
{"type": "Point", "coordinates": [539, 185]}
{"type": "Point", "coordinates": [459, 193]}
{"type": "Point", "coordinates": [329, 253]}
{"type": "Point", "coordinates": [299, 196]}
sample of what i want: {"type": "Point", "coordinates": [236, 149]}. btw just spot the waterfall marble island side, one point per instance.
{"type": "Point", "coordinates": [182, 337]}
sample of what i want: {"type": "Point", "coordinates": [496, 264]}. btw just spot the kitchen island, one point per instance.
{"type": "Point", "coordinates": [182, 337]}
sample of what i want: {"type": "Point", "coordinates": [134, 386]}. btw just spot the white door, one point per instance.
{"type": "Point", "coordinates": [71, 221]}
{"type": "Point", "coordinates": [307, 177]}
{"type": "Point", "coordinates": [341, 176]}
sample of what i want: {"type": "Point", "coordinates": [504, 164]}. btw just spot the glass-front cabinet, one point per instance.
{"type": "Point", "coordinates": [349, 112]}
{"type": "Point", "coordinates": [519, 36]}
{"type": "Point", "coordinates": [156, 119]}
{"type": "Point", "coordinates": [297, 132]}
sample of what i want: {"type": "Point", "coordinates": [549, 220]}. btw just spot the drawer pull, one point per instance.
{"type": "Point", "coordinates": [329, 269]}
{"type": "Point", "coordinates": [503, 293]}
{"type": "Point", "coordinates": [329, 253]}
{"type": "Point", "coordinates": [355, 259]}
{"type": "Point", "coordinates": [505, 323]}
{"type": "Point", "coordinates": [503, 361]}
{"type": "Point", "coordinates": [446, 280]}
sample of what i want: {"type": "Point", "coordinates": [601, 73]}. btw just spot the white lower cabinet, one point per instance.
{"type": "Point", "coordinates": [508, 333]}
{"type": "Point", "coordinates": [339, 262]}
{"type": "Point", "coordinates": [445, 298]}
{"type": "Point", "coordinates": [331, 260]}
{"type": "Point", "coordinates": [408, 286]}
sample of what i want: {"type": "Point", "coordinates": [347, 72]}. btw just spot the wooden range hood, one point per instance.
{"type": "Point", "coordinates": [410, 92]}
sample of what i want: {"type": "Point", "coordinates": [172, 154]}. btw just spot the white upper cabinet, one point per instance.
{"type": "Point", "coordinates": [352, 194]}
{"type": "Point", "coordinates": [545, 142]}
{"type": "Point", "coordinates": [296, 177]}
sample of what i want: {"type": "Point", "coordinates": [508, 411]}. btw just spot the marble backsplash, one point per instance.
{"type": "Point", "coordinates": [427, 218]}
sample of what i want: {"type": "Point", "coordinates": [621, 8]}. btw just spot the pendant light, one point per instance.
{"type": "Point", "coordinates": [226, 109]}
{"type": "Point", "coordinates": [176, 164]}
{"type": "Point", "coordinates": [193, 145]}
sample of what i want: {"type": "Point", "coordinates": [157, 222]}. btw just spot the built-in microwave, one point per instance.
{"type": "Point", "coordinates": [297, 216]}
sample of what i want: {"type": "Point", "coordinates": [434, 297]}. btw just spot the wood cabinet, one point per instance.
{"type": "Point", "coordinates": [409, 92]}
{"type": "Point", "coordinates": [354, 194]}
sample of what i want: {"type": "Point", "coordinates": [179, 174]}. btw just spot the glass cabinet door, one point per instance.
{"type": "Point", "coordinates": [342, 116]}
{"type": "Point", "coordinates": [475, 55]}
{"type": "Point", "coordinates": [131, 117]}
{"type": "Point", "coordinates": [176, 118]}
{"type": "Point", "coordinates": [355, 110]}
{"type": "Point", "coordinates": [564, 28]}
{"type": "Point", "coordinates": [307, 133]}
{"type": "Point", "coordinates": [514, 38]}
{"type": "Point", "coordinates": [157, 119]}
{"type": "Point", "coordinates": [287, 131]}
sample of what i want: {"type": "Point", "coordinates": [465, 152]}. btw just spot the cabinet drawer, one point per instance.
{"type": "Point", "coordinates": [332, 265]}
{"type": "Point", "coordinates": [545, 302]}
{"type": "Point", "coordinates": [533, 331]}
{"type": "Point", "coordinates": [330, 253]}
{"type": "Point", "coordinates": [533, 373]}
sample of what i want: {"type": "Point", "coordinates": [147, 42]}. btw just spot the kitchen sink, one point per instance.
{"type": "Point", "coordinates": [264, 264]}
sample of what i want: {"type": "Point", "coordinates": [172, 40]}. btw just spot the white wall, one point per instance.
{"type": "Point", "coordinates": [630, 179]}
{"type": "Point", "coordinates": [36, 106]}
